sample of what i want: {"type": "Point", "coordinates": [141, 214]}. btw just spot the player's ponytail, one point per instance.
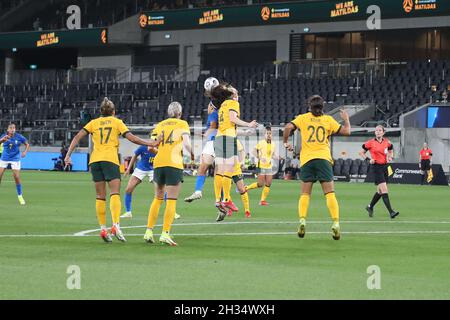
{"type": "Point", "coordinates": [316, 105]}
{"type": "Point", "coordinates": [107, 107]}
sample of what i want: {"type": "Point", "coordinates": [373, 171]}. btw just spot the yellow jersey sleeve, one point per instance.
{"type": "Point", "coordinates": [89, 128]}
{"type": "Point", "coordinates": [334, 126]}
{"type": "Point", "coordinates": [121, 127]}
{"type": "Point", "coordinates": [185, 128]}
{"type": "Point", "coordinates": [233, 105]}
{"type": "Point", "coordinates": [297, 122]}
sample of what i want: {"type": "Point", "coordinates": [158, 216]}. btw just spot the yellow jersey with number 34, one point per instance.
{"type": "Point", "coordinates": [226, 127]}
{"type": "Point", "coordinates": [105, 133]}
{"type": "Point", "coordinates": [170, 150]}
{"type": "Point", "coordinates": [315, 132]}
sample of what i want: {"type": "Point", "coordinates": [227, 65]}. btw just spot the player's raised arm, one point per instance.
{"type": "Point", "coordinates": [345, 130]}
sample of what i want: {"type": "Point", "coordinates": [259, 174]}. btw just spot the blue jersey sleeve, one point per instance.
{"type": "Point", "coordinates": [215, 117]}
{"type": "Point", "coordinates": [139, 151]}
{"type": "Point", "coordinates": [22, 139]}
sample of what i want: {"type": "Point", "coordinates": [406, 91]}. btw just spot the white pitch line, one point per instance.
{"type": "Point", "coordinates": [238, 234]}
{"type": "Point", "coordinates": [85, 232]}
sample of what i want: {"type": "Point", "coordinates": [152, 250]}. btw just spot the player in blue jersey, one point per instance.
{"type": "Point", "coordinates": [144, 168]}
{"type": "Point", "coordinates": [11, 156]}
{"type": "Point", "coordinates": [208, 154]}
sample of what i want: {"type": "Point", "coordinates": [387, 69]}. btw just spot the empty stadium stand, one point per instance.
{"type": "Point", "coordinates": [48, 102]}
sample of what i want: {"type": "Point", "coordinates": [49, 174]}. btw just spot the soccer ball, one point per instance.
{"type": "Point", "coordinates": [194, 172]}
{"type": "Point", "coordinates": [210, 83]}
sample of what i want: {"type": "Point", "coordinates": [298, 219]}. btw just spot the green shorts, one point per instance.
{"type": "Point", "coordinates": [316, 170]}
{"type": "Point", "coordinates": [225, 147]}
{"type": "Point", "coordinates": [168, 176]}
{"type": "Point", "coordinates": [104, 171]}
{"type": "Point", "coordinates": [237, 178]}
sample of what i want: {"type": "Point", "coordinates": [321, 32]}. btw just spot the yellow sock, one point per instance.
{"type": "Point", "coordinates": [100, 209]}
{"type": "Point", "coordinates": [254, 185]}
{"type": "Point", "coordinates": [115, 205]}
{"type": "Point", "coordinates": [218, 186]}
{"type": "Point", "coordinates": [265, 193]}
{"type": "Point", "coordinates": [226, 185]}
{"type": "Point", "coordinates": [303, 204]}
{"type": "Point", "coordinates": [246, 201]}
{"type": "Point", "coordinates": [153, 212]}
{"type": "Point", "coordinates": [169, 214]}
{"type": "Point", "coordinates": [333, 206]}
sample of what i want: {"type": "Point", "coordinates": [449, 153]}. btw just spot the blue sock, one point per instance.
{"type": "Point", "coordinates": [19, 189]}
{"type": "Point", "coordinates": [128, 197]}
{"type": "Point", "coordinates": [165, 196]}
{"type": "Point", "coordinates": [200, 183]}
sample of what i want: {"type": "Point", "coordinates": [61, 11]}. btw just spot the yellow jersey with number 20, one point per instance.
{"type": "Point", "coordinates": [315, 132]}
{"type": "Point", "coordinates": [226, 127]}
{"type": "Point", "coordinates": [170, 150]}
{"type": "Point", "coordinates": [105, 133]}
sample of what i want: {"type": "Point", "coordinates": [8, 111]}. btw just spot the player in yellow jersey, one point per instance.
{"type": "Point", "coordinates": [315, 157]}
{"type": "Point", "coordinates": [264, 151]}
{"type": "Point", "coordinates": [104, 163]}
{"type": "Point", "coordinates": [225, 144]}
{"type": "Point", "coordinates": [168, 170]}
{"type": "Point", "coordinates": [238, 179]}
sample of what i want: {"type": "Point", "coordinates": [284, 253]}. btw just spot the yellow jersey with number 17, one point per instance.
{"type": "Point", "coordinates": [105, 133]}
{"type": "Point", "coordinates": [170, 150]}
{"type": "Point", "coordinates": [315, 132]}
{"type": "Point", "coordinates": [226, 127]}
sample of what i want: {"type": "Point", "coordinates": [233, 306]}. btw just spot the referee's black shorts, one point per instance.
{"type": "Point", "coordinates": [425, 165]}
{"type": "Point", "coordinates": [380, 173]}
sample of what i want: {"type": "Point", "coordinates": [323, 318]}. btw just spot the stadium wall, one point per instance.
{"type": "Point", "coordinates": [190, 41]}
{"type": "Point", "coordinates": [118, 57]}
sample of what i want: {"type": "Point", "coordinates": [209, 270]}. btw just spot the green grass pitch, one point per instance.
{"type": "Point", "coordinates": [256, 258]}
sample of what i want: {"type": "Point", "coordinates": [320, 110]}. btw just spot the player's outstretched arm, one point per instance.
{"type": "Point", "coordinates": [75, 141]}
{"type": "Point", "coordinates": [149, 143]}
{"type": "Point", "coordinates": [345, 129]}
{"type": "Point", "coordinates": [235, 119]}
